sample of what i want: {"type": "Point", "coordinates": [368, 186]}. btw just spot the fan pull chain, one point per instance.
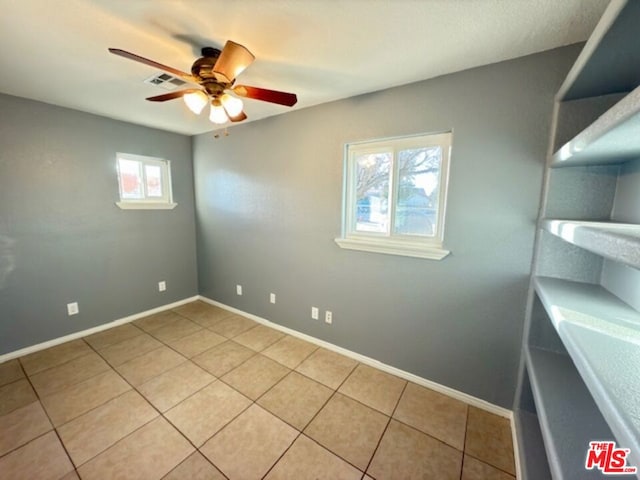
{"type": "Point", "coordinates": [225, 133]}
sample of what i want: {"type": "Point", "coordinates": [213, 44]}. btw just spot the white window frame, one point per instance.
{"type": "Point", "coordinates": [429, 247]}
{"type": "Point", "coordinates": [148, 203]}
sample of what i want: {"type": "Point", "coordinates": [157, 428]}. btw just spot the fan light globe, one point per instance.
{"type": "Point", "coordinates": [196, 101]}
{"type": "Point", "coordinates": [232, 105]}
{"type": "Point", "coordinates": [218, 114]}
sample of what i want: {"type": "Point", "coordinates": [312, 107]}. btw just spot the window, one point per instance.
{"type": "Point", "coordinates": [395, 195]}
{"type": "Point", "coordinates": [145, 182]}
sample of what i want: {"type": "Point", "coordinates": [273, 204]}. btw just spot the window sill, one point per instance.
{"type": "Point", "coordinates": [406, 249]}
{"type": "Point", "coordinates": [146, 206]}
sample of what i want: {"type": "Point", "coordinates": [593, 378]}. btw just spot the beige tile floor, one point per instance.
{"type": "Point", "coordinates": [201, 393]}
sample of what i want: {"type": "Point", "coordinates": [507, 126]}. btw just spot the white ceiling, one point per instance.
{"type": "Point", "coordinates": [55, 51]}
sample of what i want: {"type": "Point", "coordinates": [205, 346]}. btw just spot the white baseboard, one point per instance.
{"type": "Point", "coordinates": [469, 399]}
{"type": "Point", "coordinates": [83, 333]}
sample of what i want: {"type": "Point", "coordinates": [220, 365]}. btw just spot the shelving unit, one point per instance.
{"type": "Point", "coordinates": [612, 138]}
{"type": "Point", "coordinates": [580, 376]}
{"type": "Point", "coordinates": [602, 335]}
{"type": "Point", "coordinates": [534, 463]}
{"type": "Point", "coordinates": [569, 416]}
{"type": "Point", "coordinates": [609, 60]}
{"type": "Point", "coordinates": [588, 305]}
{"type": "Point", "coordinates": [616, 241]}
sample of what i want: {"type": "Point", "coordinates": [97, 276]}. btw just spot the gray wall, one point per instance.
{"type": "Point", "coordinates": [62, 238]}
{"type": "Point", "coordinates": [268, 205]}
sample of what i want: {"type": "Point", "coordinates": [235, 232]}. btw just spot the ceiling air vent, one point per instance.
{"type": "Point", "coordinates": [166, 81]}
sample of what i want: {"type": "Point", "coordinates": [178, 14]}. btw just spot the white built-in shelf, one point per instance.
{"type": "Point", "coordinates": [608, 62]}
{"type": "Point", "coordinates": [533, 458]}
{"type": "Point", "coordinates": [612, 138]}
{"type": "Point", "coordinates": [602, 335]}
{"type": "Point", "coordinates": [569, 418]}
{"type": "Point", "coordinates": [616, 241]}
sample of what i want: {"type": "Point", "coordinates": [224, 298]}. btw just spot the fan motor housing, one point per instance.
{"type": "Point", "coordinates": [203, 66]}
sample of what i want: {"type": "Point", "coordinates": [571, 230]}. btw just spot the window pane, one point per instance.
{"type": "Point", "coordinates": [418, 187]}
{"type": "Point", "coordinates": [130, 179]}
{"type": "Point", "coordinates": [153, 175]}
{"type": "Point", "coordinates": [372, 192]}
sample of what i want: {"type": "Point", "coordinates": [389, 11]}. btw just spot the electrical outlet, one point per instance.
{"type": "Point", "coordinates": [314, 313]}
{"type": "Point", "coordinates": [239, 289]}
{"type": "Point", "coordinates": [72, 308]}
{"type": "Point", "coordinates": [272, 297]}
{"type": "Point", "coordinates": [162, 286]}
{"type": "Point", "coordinates": [328, 317]}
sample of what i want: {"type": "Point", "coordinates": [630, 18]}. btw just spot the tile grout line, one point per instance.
{"type": "Point", "coordinates": [39, 400]}
{"type": "Point", "coordinates": [160, 415]}
{"type": "Point", "coordinates": [412, 427]}
{"type": "Point", "coordinates": [133, 388]}
{"type": "Point", "coordinates": [126, 340]}
{"type": "Point", "coordinates": [223, 426]}
{"type": "Point", "coordinates": [301, 432]}
{"type": "Point", "coordinates": [375, 450]}
{"type": "Point", "coordinates": [216, 379]}
{"type": "Point", "coordinates": [255, 402]}
{"type": "Point", "coordinates": [26, 377]}
{"type": "Point", "coordinates": [151, 333]}
{"type": "Point", "coordinates": [92, 408]}
{"type": "Point", "coordinates": [335, 391]}
{"type": "Point", "coordinates": [325, 404]}
{"type": "Point", "coordinates": [163, 344]}
{"type": "Point", "coordinates": [407, 382]}
{"type": "Point", "coordinates": [227, 339]}
{"type": "Point", "coordinates": [228, 371]}
{"type": "Point", "coordinates": [283, 453]}
{"type": "Point", "coordinates": [291, 371]}
{"type": "Point", "coordinates": [11, 383]}
{"type": "Point", "coordinates": [59, 364]}
{"type": "Point", "coordinates": [464, 443]}
{"type": "Point", "coordinates": [298, 364]}
{"type": "Point", "coordinates": [473, 456]}
{"type": "Point", "coordinates": [54, 429]}
{"type": "Point", "coordinates": [391, 417]}
{"type": "Point", "coordinates": [116, 442]}
{"type": "Point", "coordinates": [107, 345]}
{"type": "Point", "coordinates": [203, 456]}
{"type": "Point", "coordinates": [490, 465]}
{"type": "Point", "coordinates": [204, 326]}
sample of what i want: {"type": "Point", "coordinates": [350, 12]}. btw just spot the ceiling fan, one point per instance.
{"type": "Point", "coordinates": [213, 76]}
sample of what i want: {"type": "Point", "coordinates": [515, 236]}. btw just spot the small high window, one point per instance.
{"type": "Point", "coordinates": [395, 195]}
{"type": "Point", "coordinates": [144, 182]}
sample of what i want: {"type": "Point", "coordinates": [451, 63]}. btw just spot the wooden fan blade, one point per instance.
{"type": "Point", "coordinates": [273, 96]}
{"type": "Point", "coordinates": [137, 58]}
{"type": "Point", "coordinates": [172, 95]}
{"type": "Point", "coordinates": [232, 61]}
